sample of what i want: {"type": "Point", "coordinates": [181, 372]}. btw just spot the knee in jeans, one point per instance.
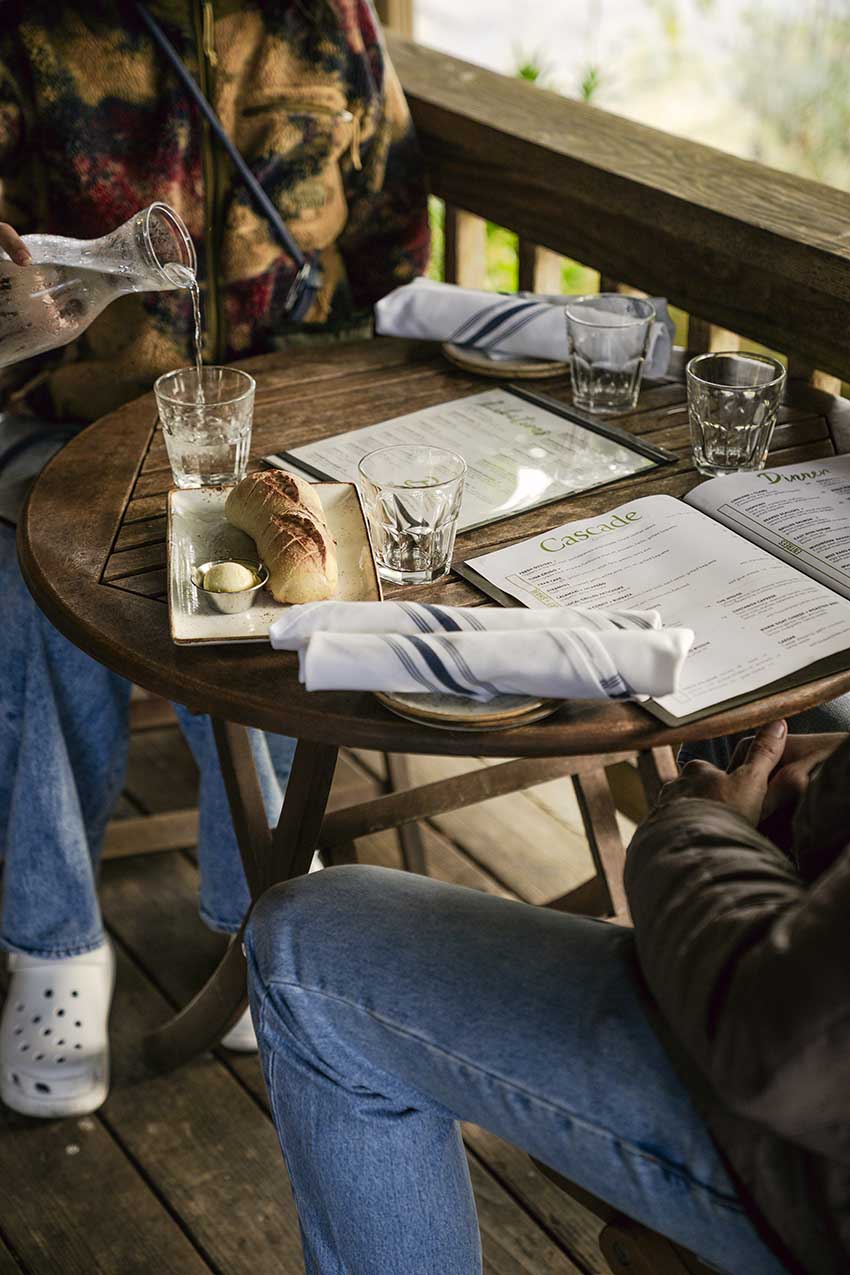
{"type": "Point", "coordinates": [316, 908]}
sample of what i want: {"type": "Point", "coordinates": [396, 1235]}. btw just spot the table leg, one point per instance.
{"type": "Point", "coordinates": [656, 767]}
{"type": "Point", "coordinates": [604, 894]}
{"type": "Point", "coordinates": [409, 834]}
{"type": "Point", "coordinates": [267, 858]}
{"type": "Point", "coordinates": [599, 816]}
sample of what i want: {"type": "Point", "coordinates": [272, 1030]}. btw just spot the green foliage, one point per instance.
{"type": "Point", "coordinates": [530, 65]}
{"type": "Point", "coordinates": [502, 259]}
{"type": "Point", "coordinates": [437, 220]}
{"type": "Point", "coordinates": [589, 86]}
{"type": "Point", "coordinates": [667, 12]}
{"type": "Point", "coordinates": [577, 279]}
{"type": "Point", "coordinates": [803, 109]}
{"type": "Point", "coordinates": [528, 71]}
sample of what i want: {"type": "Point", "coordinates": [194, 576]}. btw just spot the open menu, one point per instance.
{"type": "Point", "coordinates": [758, 565]}
{"type": "Point", "coordinates": [521, 449]}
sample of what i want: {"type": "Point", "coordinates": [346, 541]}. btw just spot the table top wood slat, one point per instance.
{"type": "Point", "coordinates": [104, 584]}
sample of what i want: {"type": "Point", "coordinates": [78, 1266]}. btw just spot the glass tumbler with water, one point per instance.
{"type": "Point", "coordinates": [607, 341]}
{"type": "Point", "coordinates": [733, 399]}
{"type": "Point", "coordinates": [412, 497]}
{"type": "Point", "coordinates": [206, 424]}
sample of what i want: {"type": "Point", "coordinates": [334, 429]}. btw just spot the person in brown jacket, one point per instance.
{"type": "Point", "coordinates": [693, 1071]}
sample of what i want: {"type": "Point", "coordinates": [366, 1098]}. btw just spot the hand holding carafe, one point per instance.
{"type": "Point", "coordinates": [52, 287]}
{"type": "Point", "coordinates": [12, 244]}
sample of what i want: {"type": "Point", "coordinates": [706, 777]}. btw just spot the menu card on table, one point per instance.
{"type": "Point", "coordinates": [758, 565]}
{"type": "Point", "coordinates": [521, 449]}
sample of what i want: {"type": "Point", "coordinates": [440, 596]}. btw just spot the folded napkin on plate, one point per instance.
{"type": "Point", "coordinates": [479, 652]}
{"type": "Point", "coordinates": [298, 623]}
{"type": "Point", "coordinates": [498, 325]}
{"type": "Point", "coordinates": [561, 663]}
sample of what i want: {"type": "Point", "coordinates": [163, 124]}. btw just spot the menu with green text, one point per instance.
{"type": "Point", "coordinates": [760, 572]}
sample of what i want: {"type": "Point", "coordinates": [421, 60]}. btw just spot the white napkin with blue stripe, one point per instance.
{"type": "Point", "coordinates": [498, 325]}
{"type": "Point", "coordinates": [298, 623]}
{"type": "Point", "coordinates": [481, 652]}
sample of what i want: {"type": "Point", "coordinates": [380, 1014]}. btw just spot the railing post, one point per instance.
{"type": "Point", "coordinates": [704, 338]}
{"type": "Point", "coordinates": [539, 268]}
{"type": "Point", "coordinates": [465, 239]}
{"type": "Point", "coordinates": [396, 15]}
{"type": "Point", "coordinates": [800, 370]}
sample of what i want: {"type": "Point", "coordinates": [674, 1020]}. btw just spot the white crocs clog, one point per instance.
{"type": "Point", "coordinates": [241, 1039]}
{"type": "Point", "coordinates": [54, 1047]}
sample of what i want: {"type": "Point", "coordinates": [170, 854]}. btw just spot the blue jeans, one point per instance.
{"type": "Point", "coordinates": [389, 1007]}
{"type": "Point", "coordinates": [63, 749]}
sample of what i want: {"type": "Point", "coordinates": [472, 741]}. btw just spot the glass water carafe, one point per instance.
{"type": "Point", "coordinates": [70, 281]}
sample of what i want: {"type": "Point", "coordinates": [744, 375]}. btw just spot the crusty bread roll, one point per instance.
{"type": "Point", "coordinates": [284, 516]}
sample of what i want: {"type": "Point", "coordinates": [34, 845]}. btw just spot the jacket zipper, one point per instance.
{"type": "Point", "coordinates": [209, 35]}
{"type": "Point", "coordinates": [207, 59]}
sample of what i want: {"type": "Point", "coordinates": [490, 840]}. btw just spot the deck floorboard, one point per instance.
{"type": "Point", "coordinates": [188, 1164]}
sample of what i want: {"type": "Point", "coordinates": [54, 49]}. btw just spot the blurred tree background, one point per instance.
{"type": "Point", "coordinates": [768, 80]}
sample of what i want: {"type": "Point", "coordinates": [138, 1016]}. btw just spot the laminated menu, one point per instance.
{"type": "Point", "coordinates": [521, 450]}
{"type": "Point", "coordinates": [757, 564]}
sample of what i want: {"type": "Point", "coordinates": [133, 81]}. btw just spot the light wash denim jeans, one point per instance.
{"type": "Point", "coordinates": [63, 749]}
{"type": "Point", "coordinates": [389, 1007]}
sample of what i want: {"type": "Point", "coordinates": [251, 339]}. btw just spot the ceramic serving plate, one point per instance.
{"type": "Point", "coordinates": [454, 712]}
{"type": "Point", "coordinates": [198, 532]}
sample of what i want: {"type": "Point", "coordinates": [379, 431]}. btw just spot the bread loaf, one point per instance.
{"type": "Point", "coordinates": [284, 516]}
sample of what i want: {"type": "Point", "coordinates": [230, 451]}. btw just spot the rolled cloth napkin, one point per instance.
{"type": "Point", "coordinates": [298, 624]}
{"type": "Point", "coordinates": [480, 652]}
{"type": "Point", "coordinates": [498, 325]}
{"type": "Point", "coordinates": [561, 663]}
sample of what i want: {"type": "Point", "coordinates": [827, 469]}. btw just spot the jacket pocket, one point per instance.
{"type": "Point", "coordinates": [337, 117]}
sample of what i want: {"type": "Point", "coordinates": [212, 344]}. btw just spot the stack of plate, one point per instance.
{"type": "Point", "coordinates": [453, 712]}
{"type": "Point", "coordinates": [517, 367]}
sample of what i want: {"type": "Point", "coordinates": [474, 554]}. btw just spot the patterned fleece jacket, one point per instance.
{"type": "Point", "coordinates": [95, 125]}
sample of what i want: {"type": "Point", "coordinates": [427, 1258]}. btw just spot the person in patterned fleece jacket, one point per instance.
{"type": "Point", "coordinates": [94, 125]}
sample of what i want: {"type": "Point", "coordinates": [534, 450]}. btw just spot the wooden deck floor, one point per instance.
{"type": "Point", "coordinates": [182, 1175]}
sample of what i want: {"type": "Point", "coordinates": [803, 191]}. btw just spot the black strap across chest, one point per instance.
{"type": "Point", "coordinates": [308, 277]}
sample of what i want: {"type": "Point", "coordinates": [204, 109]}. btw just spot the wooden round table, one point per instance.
{"type": "Point", "coordinates": [92, 548]}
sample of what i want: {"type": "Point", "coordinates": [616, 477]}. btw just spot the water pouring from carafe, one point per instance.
{"type": "Point", "coordinates": [69, 282]}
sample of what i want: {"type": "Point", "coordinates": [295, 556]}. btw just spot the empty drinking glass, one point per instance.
{"type": "Point", "coordinates": [206, 424]}
{"type": "Point", "coordinates": [607, 340]}
{"type": "Point", "coordinates": [732, 404]}
{"type": "Point", "coordinates": [412, 496]}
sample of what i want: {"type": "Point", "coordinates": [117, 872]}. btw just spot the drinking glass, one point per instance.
{"type": "Point", "coordinates": [732, 404]}
{"type": "Point", "coordinates": [607, 340]}
{"type": "Point", "coordinates": [412, 495]}
{"type": "Point", "coordinates": [206, 423]}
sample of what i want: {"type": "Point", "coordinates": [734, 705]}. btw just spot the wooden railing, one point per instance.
{"type": "Point", "coordinates": [743, 248]}
{"type": "Point", "coordinates": [396, 15]}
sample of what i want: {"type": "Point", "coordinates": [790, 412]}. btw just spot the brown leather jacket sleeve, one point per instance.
{"type": "Point", "coordinates": [750, 968]}
{"type": "Point", "coordinates": [822, 820]}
